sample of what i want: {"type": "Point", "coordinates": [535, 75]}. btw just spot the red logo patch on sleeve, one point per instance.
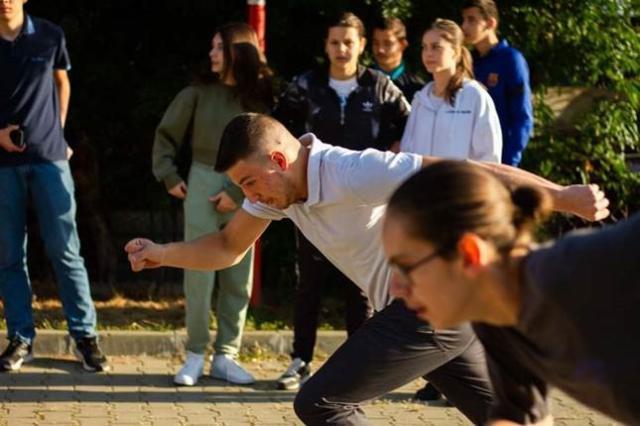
{"type": "Point", "coordinates": [492, 79]}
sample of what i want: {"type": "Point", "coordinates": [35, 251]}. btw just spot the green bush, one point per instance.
{"type": "Point", "coordinates": [594, 151]}
{"type": "Point", "coordinates": [587, 43]}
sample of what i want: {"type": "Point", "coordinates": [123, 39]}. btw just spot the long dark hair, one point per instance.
{"type": "Point", "coordinates": [248, 65]}
{"type": "Point", "coordinates": [451, 32]}
{"type": "Point", "coordinates": [444, 201]}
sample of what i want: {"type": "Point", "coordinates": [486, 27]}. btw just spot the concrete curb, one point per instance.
{"type": "Point", "coordinates": [167, 343]}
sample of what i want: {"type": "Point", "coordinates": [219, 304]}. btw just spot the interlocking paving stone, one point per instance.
{"type": "Point", "coordinates": [139, 391]}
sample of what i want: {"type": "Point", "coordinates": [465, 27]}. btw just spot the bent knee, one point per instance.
{"type": "Point", "coordinates": [307, 405]}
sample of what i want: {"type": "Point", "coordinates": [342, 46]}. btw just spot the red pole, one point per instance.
{"type": "Point", "coordinates": [257, 18]}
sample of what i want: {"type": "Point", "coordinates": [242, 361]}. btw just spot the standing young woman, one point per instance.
{"type": "Point", "coordinates": [453, 116]}
{"type": "Point", "coordinates": [238, 81]}
{"type": "Point", "coordinates": [565, 314]}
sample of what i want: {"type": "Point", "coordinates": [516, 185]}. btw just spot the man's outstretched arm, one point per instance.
{"type": "Point", "coordinates": [585, 201]}
{"type": "Point", "coordinates": [211, 252]}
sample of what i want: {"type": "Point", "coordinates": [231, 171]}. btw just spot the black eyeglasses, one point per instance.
{"type": "Point", "coordinates": [404, 271]}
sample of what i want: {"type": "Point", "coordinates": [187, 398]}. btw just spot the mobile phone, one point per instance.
{"type": "Point", "coordinates": [17, 137]}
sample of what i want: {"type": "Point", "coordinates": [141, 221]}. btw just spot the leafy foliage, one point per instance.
{"type": "Point", "coordinates": [131, 58]}
{"type": "Point", "coordinates": [588, 43]}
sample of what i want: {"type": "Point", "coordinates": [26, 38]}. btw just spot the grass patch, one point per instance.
{"type": "Point", "coordinates": [120, 313]}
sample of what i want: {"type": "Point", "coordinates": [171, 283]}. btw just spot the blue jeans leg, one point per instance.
{"type": "Point", "coordinates": [15, 287]}
{"type": "Point", "coordinates": [52, 190]}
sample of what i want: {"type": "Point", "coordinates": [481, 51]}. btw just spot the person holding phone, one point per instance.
{"type": "Point", "coordinates": [34, 156]}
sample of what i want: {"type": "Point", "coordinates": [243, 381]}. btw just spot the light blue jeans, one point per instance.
{"type": "Point", "coordinates": [50, 186]}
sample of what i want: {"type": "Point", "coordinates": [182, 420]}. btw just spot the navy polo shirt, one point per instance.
{"type": "Point", "coordinates": [28, 93]}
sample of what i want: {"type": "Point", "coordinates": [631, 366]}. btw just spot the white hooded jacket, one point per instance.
{"type": "Point", "coordinates": [470, 129]}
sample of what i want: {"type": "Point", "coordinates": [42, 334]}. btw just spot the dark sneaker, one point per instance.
{"type": "Point", "coordinates": [16, 354]}
{"type": "Point", "coordinates": [297, 373]}
{"type": "Point", "coordinates": [90, 355]}
{"type": "Point", "coordinates": [430, 395]}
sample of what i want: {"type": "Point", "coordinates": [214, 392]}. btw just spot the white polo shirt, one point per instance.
{"type": "Point", "coordinates": [342, 217]}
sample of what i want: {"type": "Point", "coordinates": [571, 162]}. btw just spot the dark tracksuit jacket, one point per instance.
{"type": "Point", "coordinates": [374, 116]}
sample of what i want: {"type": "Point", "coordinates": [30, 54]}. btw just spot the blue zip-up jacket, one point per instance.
{"type": "Point", "coordinates": [505, 73]}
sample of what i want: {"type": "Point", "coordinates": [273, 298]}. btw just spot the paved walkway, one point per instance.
{"type": "Point", "coordinates": [138, 391]}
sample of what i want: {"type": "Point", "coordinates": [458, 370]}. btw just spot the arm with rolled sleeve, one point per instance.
{"type": "Point", "coordinates": [170, 135]}
{"type": "Point", "coordinates": [519, 109]}
{"type": "Point", "coordinates": [486, 139]}
{"type": "Point", "coordinates": [393, 115]}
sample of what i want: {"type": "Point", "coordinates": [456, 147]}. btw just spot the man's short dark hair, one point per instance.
{"type": "Point", "coordinates": [391, 23]}
{"type": "Point", "coordinates": [240, 139]}
{"type": "Point", "coordinates": [346, 20]}
{"type": "Point", "coordinates": [487, 8]}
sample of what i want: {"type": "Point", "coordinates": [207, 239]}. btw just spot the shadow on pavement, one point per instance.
{"type": "Point", "coordinates": [65, 381]}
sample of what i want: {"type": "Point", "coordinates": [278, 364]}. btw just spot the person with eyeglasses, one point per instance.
{"type": "Point", "coordinates": [563, 314]}
{"type": "Point", "coordinates": [453, 116]}
{"type": "Point", "coordinates": [337, 198]}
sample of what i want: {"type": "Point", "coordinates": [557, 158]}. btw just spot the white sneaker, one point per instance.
{"type": "Point", "coordinates": [224, 367]}
{"type": "Point", "coordinates": [296, 374]}
{"type": "Point", "coordinates": [191, 370]}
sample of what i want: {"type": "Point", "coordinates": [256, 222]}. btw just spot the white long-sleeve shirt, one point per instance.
{"type": "Point", "coordinates": [468, 129]}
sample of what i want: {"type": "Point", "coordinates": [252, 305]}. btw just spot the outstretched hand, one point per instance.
{"type": "Point", "coordinates": [144, 254]}
{"type": "Point", "coordinates": [585, 201]}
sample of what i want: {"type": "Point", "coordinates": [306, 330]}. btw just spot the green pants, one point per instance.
{"type": "Point", "coordinates": [234, 284]}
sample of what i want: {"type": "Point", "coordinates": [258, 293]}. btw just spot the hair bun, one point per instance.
{"type": "Point", "coordinates": [531, 206]}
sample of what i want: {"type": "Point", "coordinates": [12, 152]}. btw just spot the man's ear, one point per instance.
{"type": "Point", "coordinates": [403, 44]}
{"type": "Point", "coordinates": [363, 44]}
{"type": "Point", "coordinates": [280, 159]}
{"type": "Point", "coordinates": [492, 24]}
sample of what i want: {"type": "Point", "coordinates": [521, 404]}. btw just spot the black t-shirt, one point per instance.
{"type": "Point", "coordinates": [579, 329]}
{"type": "Point", "coordinates": [28, 95]}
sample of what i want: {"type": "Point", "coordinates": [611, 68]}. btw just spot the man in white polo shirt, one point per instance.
{"type": "Point", "coordinates": [337, 198]}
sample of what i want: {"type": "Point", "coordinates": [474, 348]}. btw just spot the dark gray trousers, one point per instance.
{"type": "Point", "coordinates": [391, 349]}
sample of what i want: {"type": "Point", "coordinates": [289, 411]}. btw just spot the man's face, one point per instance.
{"type": "Point", "coordinates": [387, 49]}
{"type": "Point", "coordinates": [474, 26]}
{"type": "Point", "coordinates": [344, 47]}
{"type": "Point", "coordinates": [9, 9]}
{"type": "Point", "coordinates": [264, 181]}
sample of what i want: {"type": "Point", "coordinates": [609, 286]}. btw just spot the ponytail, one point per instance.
{"type": "Point", "coordinates": [464, 70]}
{"type": "Point", "coordinates": [531, 206]}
